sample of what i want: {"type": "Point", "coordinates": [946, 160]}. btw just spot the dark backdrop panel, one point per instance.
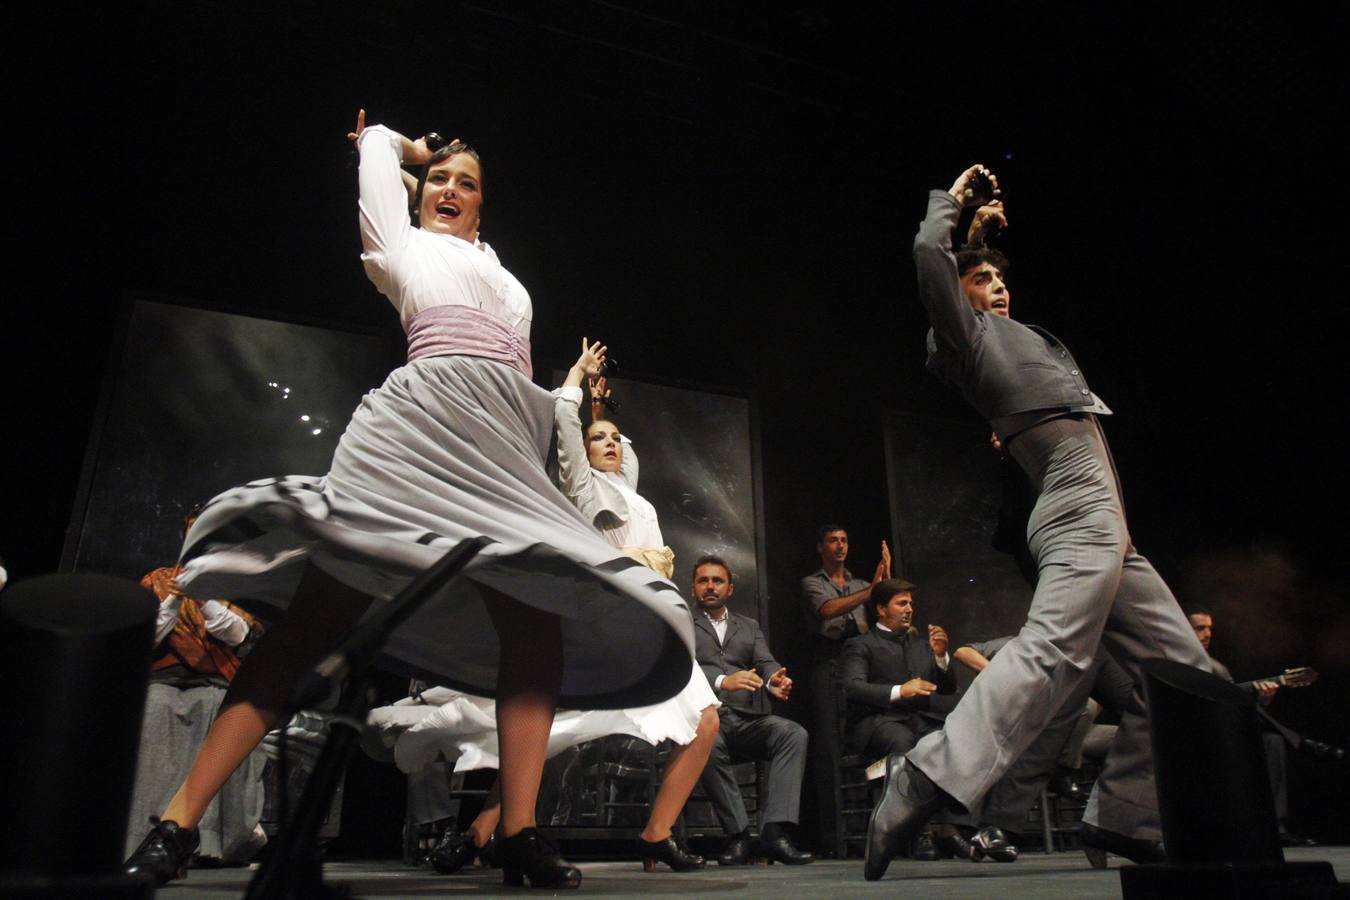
{"type": "Point", "coordinates": [945, 492]}
{"type": "Point", "coordinates": [201, 401]}
{"type": "Point", "coordinates": [697, 469]}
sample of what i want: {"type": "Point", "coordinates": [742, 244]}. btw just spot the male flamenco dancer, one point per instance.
{"type": "Point", "coordinates": [1093, 587]}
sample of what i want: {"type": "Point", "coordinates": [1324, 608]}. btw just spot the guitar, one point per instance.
{"type": "Point", "coordinates": [1299, 677]}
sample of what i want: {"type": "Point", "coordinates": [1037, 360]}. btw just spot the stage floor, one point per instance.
{"type": "Point", "coordinates": [1036, 875]}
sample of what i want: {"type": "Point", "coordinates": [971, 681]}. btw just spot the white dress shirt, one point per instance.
{"type": "Point", "coordinates": [719, 627]}
{"type": "Point", "coordinates": [419, 269]}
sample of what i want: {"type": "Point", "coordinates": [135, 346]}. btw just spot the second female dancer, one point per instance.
{"type": "Point", "coordinates": [451, 446]}
{"type": "Point", "coordinates": [598, 472]}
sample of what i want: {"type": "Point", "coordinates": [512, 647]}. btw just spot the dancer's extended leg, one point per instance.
{"type": "Point", "coordinates": [528, 679]}
{"type": "Point", "coordinates": [682, 773]}
{"type": "Point", "coordinates": [321, 613]}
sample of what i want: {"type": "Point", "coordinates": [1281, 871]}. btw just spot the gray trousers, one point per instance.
{"type": "Point", "coordinates": [429, 797]}
{"type": "Point", "coordinates": [740, 738]}
{"type": "Point", "coordinates": [1093, 589]}
{"type": "Point", "coordinates": [1010, 800]}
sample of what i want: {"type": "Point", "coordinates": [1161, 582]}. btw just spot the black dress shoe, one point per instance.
{"type": "Point", "coordinates": [1097, 842]}
{"type": "Point", "coordinates": [779, 848]}
{"type": "Point", "coordinates": [1063, 785]}
{"type": "Point", "coordinates": [952, 844]}
{"type": "Point", "coordinates": [908, 800]}
{"type": "Point", "coordinates": [925, 847]}
{"type": "Point", "coordinates": [737, 853]}
{"type": "Point", "coordinates": [165, 853]}
{"type": "Point", "coordinates": [529, 855]}
{"type": "Point", "coordinates": [669, 852]}
{"type": "Point", "coordinates": [990, 842]}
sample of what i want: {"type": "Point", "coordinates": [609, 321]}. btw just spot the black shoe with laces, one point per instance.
{"type": "Point", "coordinates": [737, 852]}
{"type": "Point", "coordinates": [925, 847]}
{"type": "Point", "coordinates": [669, 852]}
{"type": "Point", "coordinates": [529, 855]}
{"type": "Point", "coordinates": [990, 842]}
{"type": "Point", "coordinates": [952, 844]}
{"type": "Point", "coordinates": [164, 854]}
{"type": "Point", "coordinates": [776, 845]}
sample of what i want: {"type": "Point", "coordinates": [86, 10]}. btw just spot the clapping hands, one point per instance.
{"type": "Point", "coordinates": [780, 685]}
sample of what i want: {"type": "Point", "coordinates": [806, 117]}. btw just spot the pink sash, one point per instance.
{"type": "Point", "coordinates": [465, 331]}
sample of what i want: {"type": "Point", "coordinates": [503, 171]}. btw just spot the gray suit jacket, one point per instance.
{"type": "Point", "coordinates": [1001, 366]}
{"type": "Point", "coordinates": [744, 648]}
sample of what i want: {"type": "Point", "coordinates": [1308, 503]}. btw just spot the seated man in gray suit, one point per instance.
{"type": "Point", "coordinates": [732, 652]}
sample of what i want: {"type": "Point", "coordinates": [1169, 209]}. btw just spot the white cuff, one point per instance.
{"type": "Point", "coordinates": [571, 392]}
{"type": "Point", "coordinates": [944, 661]}
{"type": "Point", "coordinates": [389, 138]}
{"type": "Point", "coordinates": [717, 685]}
{"type": "Point", "coordinates": [224, 624]}
{"type": "Point", "coordinates": [167, 617]}
{"type": "Point", "coordinates": [895, 693]}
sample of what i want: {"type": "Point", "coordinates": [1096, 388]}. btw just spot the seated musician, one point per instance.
{"type": "Point", "coordinates": [899, 686]}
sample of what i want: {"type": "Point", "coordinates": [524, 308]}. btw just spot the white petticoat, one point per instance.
{"type": "Point", "coordinates": [462, 728]}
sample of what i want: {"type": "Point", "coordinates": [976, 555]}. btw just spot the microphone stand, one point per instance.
{"type": "Point", "coordinates": [292, 868]}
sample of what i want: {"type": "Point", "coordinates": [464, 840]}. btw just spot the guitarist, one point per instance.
{"type": "Point", "coordinates": [1202, 620]}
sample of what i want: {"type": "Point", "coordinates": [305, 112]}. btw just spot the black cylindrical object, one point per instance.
{"type": "Point", "coordinates": [1213, 792]}
{"type": "Point", "coordinates": [74, 658]}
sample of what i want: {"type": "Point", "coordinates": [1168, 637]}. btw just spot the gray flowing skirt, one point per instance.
{"type": "Point", "coordinates": [453, 447]}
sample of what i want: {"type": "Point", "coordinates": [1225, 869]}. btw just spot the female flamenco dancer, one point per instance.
{"type": "Point", "coordinates": [599, 475]}
{"type": "Point", "coordinates": [451, 446]}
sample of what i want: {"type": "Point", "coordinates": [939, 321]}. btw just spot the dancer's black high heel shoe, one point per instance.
{"type": "Point", "coordinates": [530, 855]}
{"type": "Point", "coordinates": [165, 853]}
{"type": "Point", "coordinates": [453, 851]}
{"type": "Point", "coordinates": [669, 852]}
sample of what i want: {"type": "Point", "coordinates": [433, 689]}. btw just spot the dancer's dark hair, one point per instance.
{"type": "Point", "coordinates": [971, 257]}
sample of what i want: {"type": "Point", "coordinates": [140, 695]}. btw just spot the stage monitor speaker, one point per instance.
{"type": "Point", "coordinates": [1214, 797]}
{"type": "Point", "coordinates": [1213, 791]}
{"type": "Point", "coordinates": [74, 657]}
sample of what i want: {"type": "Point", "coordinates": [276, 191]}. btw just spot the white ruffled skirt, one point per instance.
{"type": "Point", "coordinates": [462, 728]}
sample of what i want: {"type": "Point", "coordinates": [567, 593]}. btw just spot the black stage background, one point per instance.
{"type": "Point", "coordinates": [727, 193]}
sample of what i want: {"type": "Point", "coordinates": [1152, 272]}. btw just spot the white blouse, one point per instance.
{"type": "Point", "coordinates": [419, 269]}
{"type": "Point", "coordinates": [642, 529]}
